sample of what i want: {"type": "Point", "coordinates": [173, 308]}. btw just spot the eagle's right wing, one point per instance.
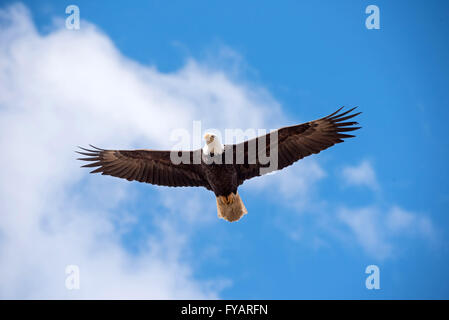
{"type": "Point", "coordinates": [150, 166]}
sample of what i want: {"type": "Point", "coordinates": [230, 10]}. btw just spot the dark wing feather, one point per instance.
{"type": "Point", "coordinates": [150, 166]}
{"type": "Point", "coordinates": [299, 141]}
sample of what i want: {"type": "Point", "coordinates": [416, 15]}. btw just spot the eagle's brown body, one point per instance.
{"type": "Point", "coordinates": [223, 178]}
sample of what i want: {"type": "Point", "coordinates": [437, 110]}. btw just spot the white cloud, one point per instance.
{"type": "Point", "coordinates": [71, 88]}
{"type": "Point", "coordinates": [294, 185]}
{"type": "Point", "coordinates": [376, 229]}
{"type": "Point", "coordinates": [377, 226]}
{"type": "Point", "coordinates": [361, 175]}
{"type": "Point", "coordinates": [400, 220]}
{"type": "Point", "coordinates": [364, 223]}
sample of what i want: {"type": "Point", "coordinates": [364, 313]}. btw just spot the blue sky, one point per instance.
{"type": "Point", "coordinates": [307, 58]}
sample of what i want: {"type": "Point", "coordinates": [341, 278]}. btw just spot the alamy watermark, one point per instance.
{"type": "Point", "coordinates": [373, 280]}
{"type": "Point", "coordinates": [373, 20]}
{"type": "Point", "coordinates": [262, 151]}
{"type": "Point", "coordinates": [72, 281]}
{"type": "Point", "coordinates": [72, 22]}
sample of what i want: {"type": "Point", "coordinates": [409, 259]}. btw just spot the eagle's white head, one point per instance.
{"type": "Point", "coordinates": [213, 144]}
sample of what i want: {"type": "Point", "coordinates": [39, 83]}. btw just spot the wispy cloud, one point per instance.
{"type": "Point", "coordinates": [295, 185]}
{"type": "Point", "coordinates": [378, 226]}
{"type": "Point", "coordinates": [366, 225]}
{"type": "Point", "coordinates": [400, 220]}
{"type": "Point", "coordinates": [361, 175]}
{"type": "Point", "coordinates": [377, 229]}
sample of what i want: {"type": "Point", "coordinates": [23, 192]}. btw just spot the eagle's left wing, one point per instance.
{"type": "Point", "coordinates": [150, 166]}
{"type": "Point", "coordinates": [295, 142]}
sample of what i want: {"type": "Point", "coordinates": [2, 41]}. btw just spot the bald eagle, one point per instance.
{"type": "Point", "coordinates": [223, 168]}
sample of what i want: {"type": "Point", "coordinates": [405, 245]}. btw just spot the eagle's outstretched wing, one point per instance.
{"type": "Point", "coordinates": [150, 166]}
{"type": "Point", "coordinates": [297, 142]}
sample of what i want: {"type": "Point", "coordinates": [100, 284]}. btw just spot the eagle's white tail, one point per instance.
{"type": "Point", "coordinates": [231, 207]}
